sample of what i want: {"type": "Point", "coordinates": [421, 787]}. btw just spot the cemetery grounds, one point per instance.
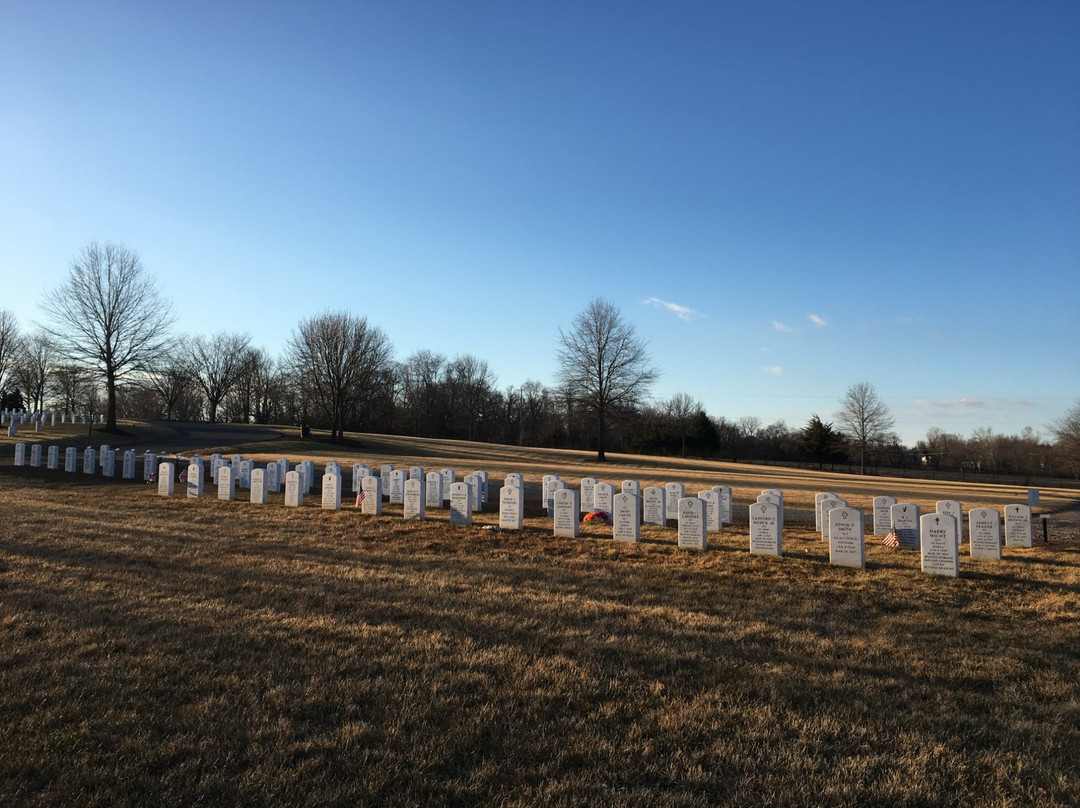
{"type": "Point", "coordinates": [170, 651]}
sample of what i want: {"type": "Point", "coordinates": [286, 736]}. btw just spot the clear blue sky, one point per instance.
{"type": "Point", "coordinates": [785, 198]}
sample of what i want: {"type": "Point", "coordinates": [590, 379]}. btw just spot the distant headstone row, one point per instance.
{"type": "Point", "coordinates": [626, 507]}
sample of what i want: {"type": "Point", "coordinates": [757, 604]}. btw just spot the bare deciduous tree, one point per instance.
{"type": "Point", "coordinates": [109, 315]}
{"type": "Point", "coordinates": [215, 364]}
{"type": "Point", "coordinates": [604, 364]}
{"type": "Point", "coordinates": [865, 419]}
{"type": "Point", "coordinates": [9, 343]}
{"type": "Point", "coordinates": [33, 364]}
{"type": "Point", "coordinates": [1066, 432]}
{"type": "Point", "coordinates": [337, 358]}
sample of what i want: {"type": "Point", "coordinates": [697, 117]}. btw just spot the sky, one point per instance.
{"type": "Point", "coordinates": [785, 198]}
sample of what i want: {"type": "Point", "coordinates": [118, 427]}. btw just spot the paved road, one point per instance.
{"type": "Point", "coordinates": [188, 436]}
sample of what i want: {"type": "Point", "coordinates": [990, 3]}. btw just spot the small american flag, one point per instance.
{"type": "Point", "coordinates": [359, 498]}
{"type": "Point", "coordinates": [891, 539]}
{"type": "Point", "coordinates": [183, 476]}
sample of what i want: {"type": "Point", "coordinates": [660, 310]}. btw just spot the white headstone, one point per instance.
{"type": "Point", "coordinates": [194, 481]}
{"type": "Point", "coordinates": [416, 473]}
{"type": "Point", "coordinates": [461, 504]}
{"type": "Point", "coordinates": [727, 503]}
{"type": "Point", "coordinates": [226, 483]}
{"type": "Point", "coordinates": [482, 485]}
{"type": "Point", "coordinates": [653, 505]}
{"type": "Point", "coordinates": [984, 533]}
{"type": "Point", "coordinates": [939, 543]}
{"type": "Point", "coordinates": [449, 477]}
{"type": "Point", "coordinates": [331, 492]}
{"type": "Point", "coordinates": [511, 507]}
{"type": "Point", "coordinates": [603, 493]}
{"type": "Point", "coordinates": [548, 490]}
{"type": "Point", "coordinates": [1017, 525]}
{"type": "Point", "coordinates": [905, 521]}
{"type": "Point", "coordinates": [35, 456]}
{"type": "Point", "coordinates": [371, 499]}
{"type": "Point", "coordinates": [384, 475]}
{"type": "Point", "coordinates": [631, 487]}
{"type": "Point", "coordinates": [89, 460]}
{"type": "Point", "coordinates": [259, 490]}
{"type": "Point", "coordinates": [691, 513]}
{"type": "Point", "coordinates": [434, 493]}
{"type": "Point", "coordinates": [515, 478]}
{"type": "Point", "coordinates": [53, 462]}
{"type": "Point", "coordinates": [128, 472]}
{"type": "Point", "coordinates": [271, 478]}
{"type": "Point", "coordinates": [108, 462]}
{"type": "Point", "coordinates": [588, 487]}
{"type": "Point", "coordinates": [713, 522]}
{"type": "Point", "coordinates": [475, 485]}
{"type": "Point", "coordinates": [397, 486]}
{"type": "Point", "coordinates": [766, 531]}
{"type": "Point", "coordinates": [149, 466]}
{"type": "Point", "coordinates": [954, 509]}
{"type": "Point", "coordinates": [413, 505]}
{"type": "Point", "coordinates": [567, 512]}
{"type": "Point", "coordinates": [71, 459]}
{"type": "Point", "coordinates": [294, 489]}
{"type": "Point", "coordinates": [818, 518]}
{"type": "Point", "coordinates": [358, 470]}
{"type": "Point", "coordinates": [847, 539]}
{"type": "Point", "coordinates": [20, 454]}
{"type": "Point", "coordinates": [244, 478]}
{"type": "Point", "coordinates": [166, 479]}
{"type": "Point", "coordinates": [826, 505]}
{"type": "Point", "coordinates": [883, 514]}
{"type": "Point", "coordinates": [673, 492]}
{"type": "Point", "coordinates": [626, 517]}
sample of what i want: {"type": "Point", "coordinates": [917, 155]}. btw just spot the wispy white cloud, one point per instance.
{"type": "Point", "coordinates": [817, 320]}
{"type": "Point", "coordinates": [961, 405]}
{"type": "Point", "coordinates": [773, 370]}
{"type": "Point", "coordinates": [779, 326]}
{"type": "Point", "coordinates": [682, 312]}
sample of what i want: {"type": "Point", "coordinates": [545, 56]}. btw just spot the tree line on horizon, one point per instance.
{"type": "Point", "coordinates": [107, 347]}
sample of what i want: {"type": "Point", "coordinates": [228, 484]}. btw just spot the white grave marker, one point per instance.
{"type": "Point", "coordinates": [905, 521]}
{"type": "Point", "coordinates": [588, 488]}
{"type": "Point", "coordinates": [371, 496]}
{"type": "Point", "coordinates": [434, 490]}
{"type": "Point", "coordinates": [1017, 525]}
{"type": "Point", "coordinates": [567, 514]}
{"type": "Point", "coordinates": [413, 501]}
{"type": "Point", "coordinates": [626, 517]}
{"type": "Point", "coordinates": [883, 514]}
{"type": "Point", "coordinates": [194, 481]}
{"type": "Point", "coordinates": [939, 543]}
{"type": "Point", "coordinates": [226, 483]}
{"type": "Point", "coordinates": [984, 533]}
{"type": "Point", "coordinates": [603, 494]}
{"type": "Point", "coordinates": [461, 504]}
{"type": "Point", "coordinates": [847, 538]}
{"type": "Point", "coordinates": [331, 492]}
{"type": "Point", "coordinates": [673, 492]}
{"type": "Point", "coordinates": [654, 508]}
{"type": "Point", "coordinates": [511, 507]}
{"type": "Point", "coordinates": [691, 514]}
{"type": "Point", "coordinates": [294, 488]}
{"type": "Point", "coordinates": [766, 533]}
{"type": "Point", "coordinates": [166, 482]}
{"type": "Point", "coordinates": [713, 522]}
{"type": "Point", "coordinates": [259, 488]}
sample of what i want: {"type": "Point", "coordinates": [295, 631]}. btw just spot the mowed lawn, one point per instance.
{"type": "Point", "coordinates": [177, 652]}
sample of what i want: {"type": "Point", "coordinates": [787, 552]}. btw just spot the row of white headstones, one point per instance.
{"type": "Point", "coordinates": [13, 420]}
{"type": "Point", "coordinates": [936, 535]}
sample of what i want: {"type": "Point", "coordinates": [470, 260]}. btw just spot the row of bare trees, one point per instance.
{"type": "Point", "coordinates": [108, 346]}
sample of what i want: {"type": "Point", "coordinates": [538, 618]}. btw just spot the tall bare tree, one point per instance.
{"type": "Point", "coordinates": [33, 364]}
{"type": "Point", "coordinates": [9, 344]}
{"type": "Point", "coordinates": [605, 365]}
{"type": "Point", "coordinates": [172, 384]}
{"type": "Point", "coordinates": [865, 419]}
{"type": "Point", "coordinates": [215, 364]}
{"type": "Point", "coordinates": [338, 358]}
{"type": "Point", "coordinates": [1066, 430]}
{"type": "Point", "coordinates": [109, 315]}
{"type": "Point", "coordinates": [680, 410]}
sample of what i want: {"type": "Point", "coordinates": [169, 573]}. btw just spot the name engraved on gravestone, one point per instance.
{"type": "Point", "coordinates": [1018, 525]}
{"type": "Point", "coordinates": [35, 456]}
{"type": "Point", "coordinates": [433, 497]}
{"type": "Point", "coordinates": [53, 462]}
{"type": "Point", "coordinates": [626, 517]}
{"type": "Point", "coordinates": [631, 487]}
{"type": "Point", "coordinates": [371, 502]}
{"type": "Point", "coordinates": [548, 488]}
{"type": "Point", "coordinates": [511, 507]}
{"type": "Point", "coordinates": [259, 488]}
{"type": "Point", "coordinates": [461, 504]}
{"type": "Point", "coordinates": [482, 484]}
{"type": "Point", "coordinates": [294, 488]}
{"type": "Point", "coordinates": [416, 473]}
{"type": "Point", "coordinates": [588, 489]}
{"type": "Point", "coordinates": [246, 467]}
{"type": "Point", "coordinates": [567, 516]}
{"type": "Point", "coordinates": [166, 473]}
{"type": "Point", "coordinates": [603, 494]}
{"type": "Point", "coordinates": [89, 459]}
{"type": "Point", "coordinates": [272, 477]}
{"type": "Point", "coordinates": [413, 505]}
{"type": "Point", "coordinates": [711, 498]}
{"type": "Point", "coordinates": [397, 486]}
{"type": "Point", "coordinates": [826, 505]}
{"type": "Point", "coordinates": [226, 483]}
{"type": "Point", "coordinates": [384, 475]}
{"type": "Point", "coordinates": [905, 521]}
{"type": "Point", "coordinates": [673, 492]}
{"type": "Point", "coordinates": [128, 470]}
{"type": "Point", "coordinates": [357, 473]}
{"type": "Point", "coordinates": [847, 539]}
{"type": "Point", "coordinates": [71, 459]}
{"type": "Point", "coordinates": [939, 543]}
{"type": "Point", "coordinates": [766, 534]}
{"type": "Point", "coordinates": [984, 533]}
{"type": "Point", "coordinates": [108, 463]}
{"type": "Point", "coordinates": [882, 514]}
{"type": "Point", "coordinates": [331, 492]}
{"type": "Point", "coordinates": [449, 476]}
{"type": "Point", "coordinates": [654, 506]}
{"type": "Point", "coordinates": [691, 513]}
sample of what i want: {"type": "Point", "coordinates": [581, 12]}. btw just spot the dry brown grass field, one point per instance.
{"type": "Point", "coordinates": [166, 651]}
